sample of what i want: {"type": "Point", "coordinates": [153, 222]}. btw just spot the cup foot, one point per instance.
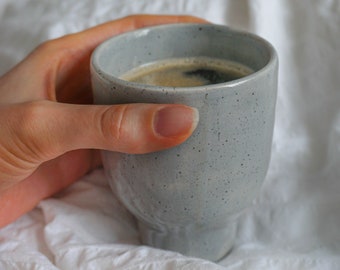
{"type": "Point", "coordinates": [210, 244]}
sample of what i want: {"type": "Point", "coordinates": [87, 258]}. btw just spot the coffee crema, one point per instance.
{"type": "Point", "coordinates": [187, 72]}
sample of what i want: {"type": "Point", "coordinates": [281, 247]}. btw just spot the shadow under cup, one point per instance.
{"type": "Point", "coordinates": [185, 198]}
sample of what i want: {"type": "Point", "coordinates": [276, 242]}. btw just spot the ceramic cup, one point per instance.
{"type": "Point", "coordinates": [185, 198]}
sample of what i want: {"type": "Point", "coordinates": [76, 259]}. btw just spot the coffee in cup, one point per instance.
{"type": "Point", "coordinates": [187, 72]}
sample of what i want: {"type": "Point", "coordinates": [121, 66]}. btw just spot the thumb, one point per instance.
{"type": "Point", "coordinates": [51, 129]}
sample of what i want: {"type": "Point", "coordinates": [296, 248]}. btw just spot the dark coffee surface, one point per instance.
{"type": "Point", "coordinates": [187, 72]}
{"type": "Point", "coordinates": [212, 76]}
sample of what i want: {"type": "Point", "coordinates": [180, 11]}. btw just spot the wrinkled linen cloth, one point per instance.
{"type": "Point", "coordinates": [294, 223]}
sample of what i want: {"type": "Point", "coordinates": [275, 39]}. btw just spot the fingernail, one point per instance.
{"type": "Point", "coordinates": [176, 120]}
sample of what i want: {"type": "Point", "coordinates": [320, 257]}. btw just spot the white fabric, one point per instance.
{"type": "Point", "coordinates": [295, 221]}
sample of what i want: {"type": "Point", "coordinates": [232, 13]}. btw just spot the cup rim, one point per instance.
{"type": "Point", "coordinates": [94, 61]}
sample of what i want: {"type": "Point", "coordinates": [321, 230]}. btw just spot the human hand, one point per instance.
{"type": "Point", "coordinates": [48, 134]}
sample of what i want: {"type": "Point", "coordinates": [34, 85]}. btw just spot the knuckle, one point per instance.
{"type": "Point", "coordinates": [47, 47]}
{"type": "Point", "coordinates": [123, 129]}
{"type": "Point", "coordinates": [112, 122]}
{"type": "Point", "coordinates": [31, 112]}
{"type": "Point", "coordinates": [135, 21]}
{"type": "Point", "coordinates": [53, 50]}
{"type": "Point", "coordinates": [25, 147]}
{"type": "Point", "coordinates": [30, 131]}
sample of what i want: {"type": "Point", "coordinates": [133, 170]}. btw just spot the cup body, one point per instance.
{"type": "Point", "coordinates": [185, 198]}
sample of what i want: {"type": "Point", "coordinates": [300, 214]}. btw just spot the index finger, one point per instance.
{"type": "Point", "coordinates": [58, 69]}
{"type": "Point", "coordinates": [101, 32]}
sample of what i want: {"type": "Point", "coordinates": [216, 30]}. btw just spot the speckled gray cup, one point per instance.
{"type": "Point", "coordinates": [185, 198]}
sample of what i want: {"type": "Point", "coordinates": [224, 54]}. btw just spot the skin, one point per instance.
{"type": "Point", "coordinates": [49, 134]}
